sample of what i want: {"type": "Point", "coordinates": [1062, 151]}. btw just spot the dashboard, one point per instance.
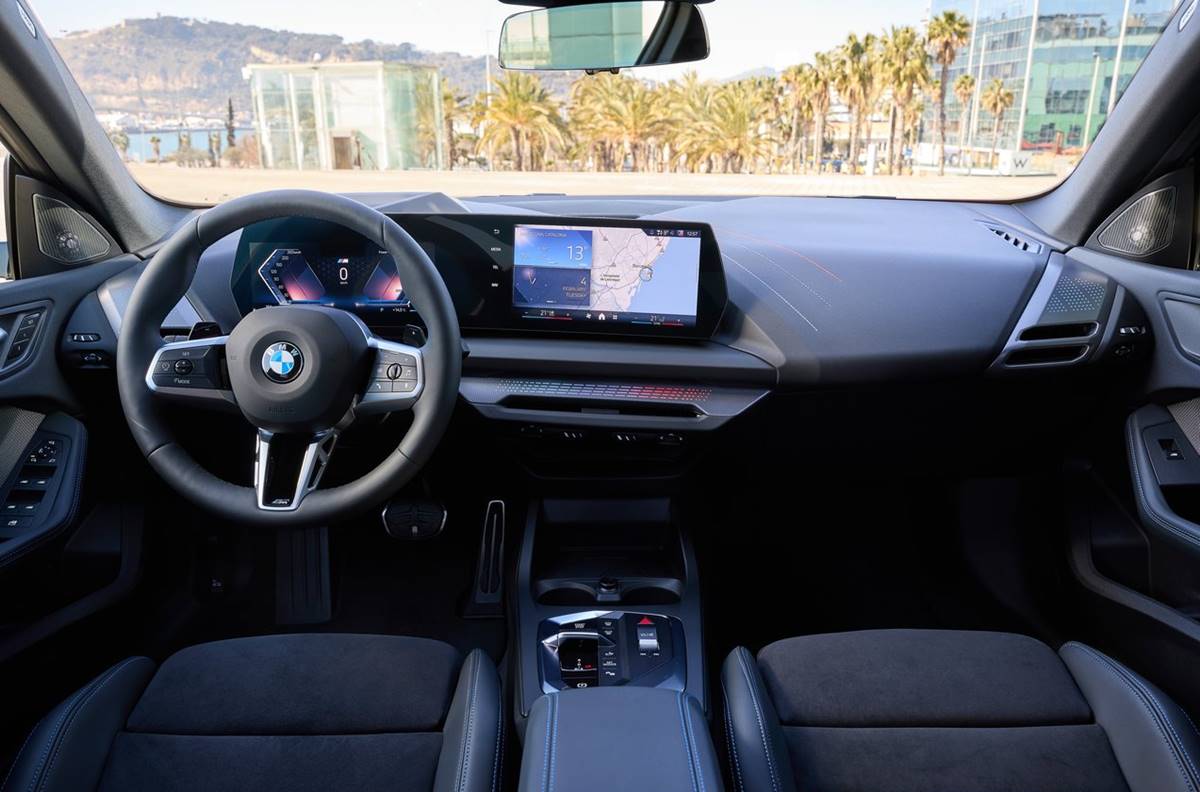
{"type": "Point", "coordinates": [507, 273]}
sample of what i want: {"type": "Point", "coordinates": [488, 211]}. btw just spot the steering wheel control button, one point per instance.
{"type": "Point", "coordinates": [183, 367]}
{"type": "Point", "coordinates": [380, 386]}
{"type": "Point", "coordinates": [282, 362]}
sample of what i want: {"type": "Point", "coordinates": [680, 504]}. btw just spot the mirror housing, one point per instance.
{"type": "Point", "coordinates": [605, 36]}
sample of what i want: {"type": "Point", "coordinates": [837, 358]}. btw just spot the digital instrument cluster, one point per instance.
{"type": "Point", "coordinates": [504, 273]}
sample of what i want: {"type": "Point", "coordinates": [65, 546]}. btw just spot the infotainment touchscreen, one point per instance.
{"type": "Point", "coordinates": [505, 273]}
{"type": "Point", "coordinates": [635, 276]}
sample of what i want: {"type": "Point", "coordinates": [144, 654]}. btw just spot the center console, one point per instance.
{"type": "Point", "coordinates": [607, 597]}
{"type": "Point", "coordinates": [619, 738]}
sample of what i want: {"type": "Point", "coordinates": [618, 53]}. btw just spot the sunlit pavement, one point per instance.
{"type": "Point", "coordinates": [211, 185]}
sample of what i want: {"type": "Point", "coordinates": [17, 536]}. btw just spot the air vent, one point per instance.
{"type": "Point", "coordinates": [1058, 332]}
{"type": "Point", "coordinates": [1046, 356]}
{"type": "Point", "coordinates": [1011, 238]}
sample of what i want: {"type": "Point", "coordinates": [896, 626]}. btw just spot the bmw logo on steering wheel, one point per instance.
{"type": "Point", "coordinates": [282, 362]}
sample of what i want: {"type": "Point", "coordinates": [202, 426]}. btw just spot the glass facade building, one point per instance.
{"type": "Point", "coordinates": [568, 37]}
{"type": "Point", "coordinates": [366, 115]}
{"type": "Point", "coordinates": [1067, 63]}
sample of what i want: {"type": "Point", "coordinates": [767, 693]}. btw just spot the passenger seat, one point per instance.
{"type": "Point", "coordinates": [947, 711]}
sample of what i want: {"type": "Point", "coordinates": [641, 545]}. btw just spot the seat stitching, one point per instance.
{"type": "Point", "coordinates": [695, 745]}
{"type": "Point", "coordinates": [1157, 705]}
{"type": "Point", "coordinates": [730, 740]}
{"type": "Point", "coordinates": [1158, 716]}
{"type": "Point", "coordinates": [17, 760]}
{"type": "Point", "coordinates": [59, 738]}
{"type": "Point", "coordinates": [546, 752]}
{"type": "Point", "coordinates": [687, 748]}
{"type": "Point", "coordinates": [762, 731]}
{"type": "Point", "coordinates": [499, 736]}
{"type": "Point", "coordinates": [469, 727]}
{"type": "Point", "coordinates": [554, 746]}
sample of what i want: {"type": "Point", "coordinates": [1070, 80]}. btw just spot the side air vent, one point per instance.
{"type": "Point", "coordinates": [1145, 227]}
{"type": "Point", "coordinates": [1012, 239]}
{"type": "Point", "coordinates": [64, 234]}
{"type": "Point", "coordinates": [1045, 356]}
{"type": "Point", "coordinates": [1059, 332]}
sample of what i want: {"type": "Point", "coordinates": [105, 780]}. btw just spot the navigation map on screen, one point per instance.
{"type": "Point", "coordinates": [606, 274]}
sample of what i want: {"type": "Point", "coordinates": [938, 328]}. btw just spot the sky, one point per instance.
{"type": "Point", "coordinates": [745, 34]}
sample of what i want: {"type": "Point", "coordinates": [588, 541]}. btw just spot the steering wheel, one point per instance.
{"type": "Point", "coordinates": [300, 374]}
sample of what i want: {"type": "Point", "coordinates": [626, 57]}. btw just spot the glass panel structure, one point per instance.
{"type": "Point", "coordinates": [580, 36]}
{"type": "Point", "coordinates": [1066, 73]}
{"type": "Point", "coordinates": [366, 115]}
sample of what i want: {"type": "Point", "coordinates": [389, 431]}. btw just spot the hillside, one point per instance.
{"type": "Point", "coordinates": [171, 65]}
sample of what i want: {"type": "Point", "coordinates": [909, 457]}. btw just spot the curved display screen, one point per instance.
{"type": "Point", "coordinates": [637, 276]}
{"type": "Point", "coordinates": [504, 273]}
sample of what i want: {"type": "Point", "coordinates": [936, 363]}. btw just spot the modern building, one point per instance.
{"type": "Point", "coordinates": [367, 115]}
{"type": "Point", "coordinates": [597, 34]}
{"type": "Point", "coordinates": [1066, 76]}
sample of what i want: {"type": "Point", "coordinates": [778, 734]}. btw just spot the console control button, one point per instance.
{"type": "Point", "coordinates": [648, 640]}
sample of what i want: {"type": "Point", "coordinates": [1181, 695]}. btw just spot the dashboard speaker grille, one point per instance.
{"type": "Point", "coordinates": [64, 234]}
{"type": "Point", "coordinates": [1145, 227]}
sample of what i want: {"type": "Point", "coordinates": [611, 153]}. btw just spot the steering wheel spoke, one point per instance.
{"type": "Point", "coordinates": [287, 467]}
{"type": "Point", "coordinates": [192, 372]}
{"type": "Point", "coordinates": [397, 378]}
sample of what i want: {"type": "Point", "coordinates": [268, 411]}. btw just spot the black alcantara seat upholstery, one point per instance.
{"type": "Point", "coordinates": [294, 712]}
{"type": "Point", "coordinates": [944, 711]}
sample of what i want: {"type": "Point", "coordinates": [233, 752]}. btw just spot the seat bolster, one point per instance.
{"type": "Point", "coordinates": [68, 749]}
{"type": "Point", "coordinates": [758, 752]}
{"type": "Point", "coordinates": [472, 739]}
{"type": "Point", "coordinates": [1156, 744]}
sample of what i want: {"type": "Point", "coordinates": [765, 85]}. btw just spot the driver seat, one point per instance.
{"type": "Point", "coordinates": [295, 712]}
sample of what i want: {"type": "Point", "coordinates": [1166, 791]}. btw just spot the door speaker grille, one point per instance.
{"type": "Point", "coordinates": [1145, 227]}
{"type": "Point", "coordinates": [64, 234]}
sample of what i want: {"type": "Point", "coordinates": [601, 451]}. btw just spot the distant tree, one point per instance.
{"type": "Point", "coordinates": [156, 148]}
{"type": "Point", "coordinates": [948, 33]}
{"type": "Point", "coordinates": [964, 92]}
{"type": "Point", "coordinates": [120, 141]}
{"type": "Point", "coordinates": [522, 113]}
{"type": "Point", "coordinates": [905, 71]}
{"type": "Point", "coordinates": [230, 127]}
{"type": "Point", "coordinates": [996, 99]}
{"type": "Point", "coordinates": [454, 109]}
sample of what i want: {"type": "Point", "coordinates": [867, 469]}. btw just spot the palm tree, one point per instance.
{"type": "Point", "coordinates": [120, 140]}
{"type": "Point", "coordinates": [964, 92]}
{"type": "Point", "coordinates": [156, 148]}
{"type": "Point", "coordinates": [996, 99]}
{"type": "Point", "coordinates": [795, 82]}
{"type": "Point", "coordinates": [690, 104]}
{"type": "Point", "coordinates": [523, 111]}
{"type": "Point", "coordinates": [593, 99]}
{"type": "Point", "coordinates": [948, 33]}
{"type": "Point", "coordinates": [733, 130]}
{"type": "Point", "coordinates": [640, 118]}
{"type": "Point", "coordinates": [905, 68]}
{"type": "Point", "coordinates": [454, 109]}
{"type": "Point", "coordinates": [855, 84]}
{"type": "Point", "coordinates": [819, 100]}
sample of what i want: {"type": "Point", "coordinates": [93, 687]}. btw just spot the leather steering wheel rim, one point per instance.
{"type": "Point", "coordinates": [166, 280]}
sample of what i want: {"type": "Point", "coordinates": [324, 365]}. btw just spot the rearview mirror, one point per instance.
{"type": "Point", "coordinates": [604, 36]}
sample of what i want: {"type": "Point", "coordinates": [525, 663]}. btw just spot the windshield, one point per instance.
{"type": "Point", "coordinates": [966, 99]}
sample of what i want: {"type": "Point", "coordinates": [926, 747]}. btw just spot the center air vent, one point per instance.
{"type": "Point", "coordinates": [1046, 356]}
{"type": "Point", "coordinates": [1058, 331]}
{"type": "Point", "coordinates": [1011, 238]}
